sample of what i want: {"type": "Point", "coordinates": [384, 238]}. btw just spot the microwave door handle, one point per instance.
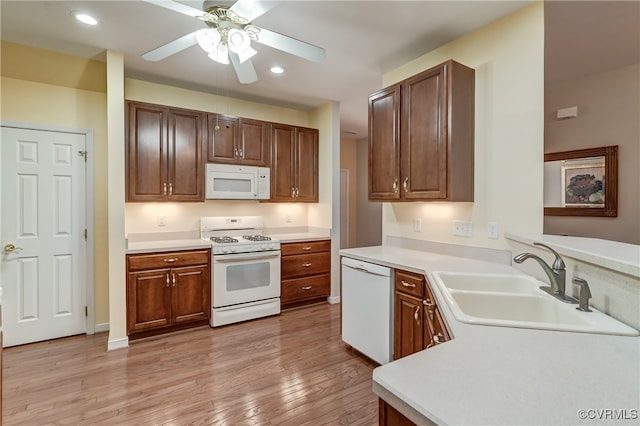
{"type": "Point", "coordinates": [250, 256]}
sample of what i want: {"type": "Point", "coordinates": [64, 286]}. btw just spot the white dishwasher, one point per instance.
{"type": "Point", "coordinates": [367, 323]}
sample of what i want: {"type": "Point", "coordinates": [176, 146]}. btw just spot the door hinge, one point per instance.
{"type": "Point", "coordinates": [85, 234]}
{"type": "Point", "coordinates": [86, 311]}
{"type": "Point", "coordinates": [83, 154]}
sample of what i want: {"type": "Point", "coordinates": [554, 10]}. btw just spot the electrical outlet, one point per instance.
{"type": "Point", "coordinates": [492, 230]}
{"type": "Point", "coordinates": [288, 218]}
{"type": "Point", "coordinates": [463, 228]}
{"type": "Point", "coordinates": [162, 221]}
{"type": "Point", "coordinates": [417, 224]}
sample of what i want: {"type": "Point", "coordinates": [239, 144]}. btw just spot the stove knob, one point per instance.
{"type": "Point", "coordinates": [233, 250]}
{"type": "Point", "coordinates": [224, 250]}
{"type": "Point", "coordinates": [273, 246]}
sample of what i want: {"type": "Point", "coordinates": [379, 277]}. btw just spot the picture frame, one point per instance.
{"type": "Point", "coordinates": [583, 185]}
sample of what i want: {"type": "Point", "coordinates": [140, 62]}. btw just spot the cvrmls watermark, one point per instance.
{"type": "Point", "coordinates": [608, 414]}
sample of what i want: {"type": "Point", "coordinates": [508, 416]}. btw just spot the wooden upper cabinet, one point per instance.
{"type": "Point", "coordinates": [384, 144]}
{"type": "Point", "coordinates": [164, 153]}
{"type": "Point", "coordinates": [425, 135]}
{"type": "Point", "coordinates": [234, 140]}
{"type": "Point", "coordinates": [294, 163]}
{"type": "Point", "coordinates": [222, 135]}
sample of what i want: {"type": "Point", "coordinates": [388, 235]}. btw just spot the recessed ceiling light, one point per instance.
{"type": "Point", "coordinates": [84, 18]}
{"type": "Point", "coordinates": [277, 69]}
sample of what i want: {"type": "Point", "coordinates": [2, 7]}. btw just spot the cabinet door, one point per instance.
{"type": "Point", "coordinates": [408, 328]}
{"type": "Point", "coordinates": [222, 137]}
{"type": "Point", "coordinates": [186, 163]}
{"type": "Point", "coordinates": [384, 144]}
{"type": "Point", "coordinates": [253, 143]}
{"type": "Point", "coordinates": [306, 165]}
{"type": "Point", "coordinates": [424, 136]}
{"type": "Point", "coordinates": [146, 155]}
{"type": "Point", "coordinates": [148, 300]}
{"type": "Point", "coordinates": [282, 160]}
{"type": "Point", "coordinates": [191, 290]}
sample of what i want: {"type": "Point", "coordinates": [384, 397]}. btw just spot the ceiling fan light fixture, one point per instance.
{"type": "Point", "coordinates": [220, 54]}
{"type": "Point", "coordinates": [276, 69]}
{"type": "Point", "coordinates": [246, 54]}
{"type": "Point", "coordinates": [238, 40]}
{"type": "Point", "coordinates": [208, 39]}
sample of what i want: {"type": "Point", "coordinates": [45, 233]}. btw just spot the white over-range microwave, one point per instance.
{"type": "Point", "coordinates": [229, 182]}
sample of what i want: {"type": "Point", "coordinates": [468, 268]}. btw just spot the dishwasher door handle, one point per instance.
{"type": "Point", "coordinates": [366, 271]}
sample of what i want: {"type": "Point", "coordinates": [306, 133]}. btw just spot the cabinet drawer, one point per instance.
{"type": "Point", "coordinates": [410, 283]}
{"type": "Point", "coordinates": [167, 260]}
{"type": "Point", "coordinates": [306, 247]}
{"type": "Point", "coordinates": [305, 265]}
{"type": "Point", "coordinates": [305, 288]}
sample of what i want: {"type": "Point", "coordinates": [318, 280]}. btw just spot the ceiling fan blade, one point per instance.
{"type": "Point", "coordinates": [290, 45]}
{"type": "Point", "coordinates": [177, 7]}
{"type": "Point", "coordinates": [171, 48]}
{"type": "Point", "coordinates": [245, 71]}
{"type": "Point", "coordinates": [251, 9]}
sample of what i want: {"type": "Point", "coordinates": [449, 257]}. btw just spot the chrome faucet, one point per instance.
{"type": "Point", "coordinates": [556, 273]}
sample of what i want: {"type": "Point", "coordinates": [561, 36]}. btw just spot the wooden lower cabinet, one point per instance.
{"type": "Point", "coordinates": [389, 416]}
{"type": "Point", "coordinates": [418, 323]}
{"type": "Point", "coordinates": [305, 272]}
{"type": "Point", "coordinates": [167, 291]}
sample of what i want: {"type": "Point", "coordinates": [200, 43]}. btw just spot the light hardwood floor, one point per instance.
{"type": "Point", "coordinates": [291, 369]}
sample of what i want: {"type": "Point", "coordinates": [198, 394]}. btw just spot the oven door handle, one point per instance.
{"type": "Point", "coordinates": [248, 256]}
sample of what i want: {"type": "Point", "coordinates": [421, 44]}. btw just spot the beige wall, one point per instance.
{"type": "Point", "coordinates": [608, 110]}
{"type": "Point", "coordinates": [508, 58]}
{"type": "Point", "coordinates": [348, 160]}
{"type": "Point", "coordinates": [71, 95]}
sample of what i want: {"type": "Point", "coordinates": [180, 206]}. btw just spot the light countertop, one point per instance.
{"type": "Point", "coordinates": [500, 375]}
{"type": "Point", "coordinates": [300, 236]}
{"type": "Point", "coordinates": [166, 245]}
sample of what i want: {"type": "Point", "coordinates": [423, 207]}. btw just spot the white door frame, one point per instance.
{"type": "Point", "coordinates": [88, 136]}
{"type": "Point", "coordinates": [344, 208]}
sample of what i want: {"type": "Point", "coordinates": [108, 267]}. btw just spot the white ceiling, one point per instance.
{"type": "Point", "coordinates": [363, 40]}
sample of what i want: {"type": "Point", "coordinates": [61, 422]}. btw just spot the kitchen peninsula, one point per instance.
{"type": "Point", "coordinates": [501, 375]}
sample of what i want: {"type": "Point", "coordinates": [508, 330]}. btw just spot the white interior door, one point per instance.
{"type": "Point", "coordinates": [44, 253]}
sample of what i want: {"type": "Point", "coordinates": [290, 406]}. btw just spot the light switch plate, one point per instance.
{"type": "Point", "coordinates": [417, 224]}
{"type": "Point", "coordinates": [492, 230]}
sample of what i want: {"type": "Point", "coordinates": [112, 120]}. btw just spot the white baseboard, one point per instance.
{"type": "Point", "coordinates": [333, 300]}
{"type": "Point", "coordinates": [112, 345]}
{"type": "Point", "coordinates": [99, 328]}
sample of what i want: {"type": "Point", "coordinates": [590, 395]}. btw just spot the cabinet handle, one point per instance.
{"type": "Point", "coordinates": [306, 248]}
{"type": "Point", "coordinates": [293, 192]}
{"type": "Point", "coordinates": [428, 303]}
{"type": "Point", "coordinates": [164, 188]}
{"type": "Point", "coordinates": [171, 259]}
{"type": "Point", "coordinates": [306, 265]}
{"type": "Point", "coordinates": [173, 279]}
{"type": "Point", "coordinates": [235, 153]}
{"type": "Point", "coordinates": [307, 287]}
{"type": "Point", "coordinates": [167, 280]}
{"type": "Point", "coordinates": [170, 189]}
{"type": "Point", "coordinates": [405, 184]}
{"type": "Point", "coordinates": [297, 192]}
{"type": "Point", "coordinates": [415, 314]}
{"type": "Point", "coordinates": [241, 153]}
{"type": "Point", "coordinates": [436, 339]}
{"type": "Point", "coordinates": [395, 186]}
{"type": "Point", "coordinates": [406, 284]}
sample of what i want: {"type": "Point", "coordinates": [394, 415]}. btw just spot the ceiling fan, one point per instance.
{"type": "Point", "coordinates": [228, 35]}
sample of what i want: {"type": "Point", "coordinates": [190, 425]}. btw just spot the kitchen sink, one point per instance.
{"type": "Point", "coordinates": [521, 284]}
{"type": "Point", "coordinates": [517, 301]}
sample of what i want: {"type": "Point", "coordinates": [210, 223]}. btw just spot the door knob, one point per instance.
{"type": "Point", "coordinates": [10, 248]}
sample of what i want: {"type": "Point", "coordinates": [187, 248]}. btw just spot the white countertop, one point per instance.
{"type": "Point", "coordinates": [499, 375]}
{"type": "Point", "coordinates": [300, 236]}
{"type": "Point", "coordinates": [166, 245]}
